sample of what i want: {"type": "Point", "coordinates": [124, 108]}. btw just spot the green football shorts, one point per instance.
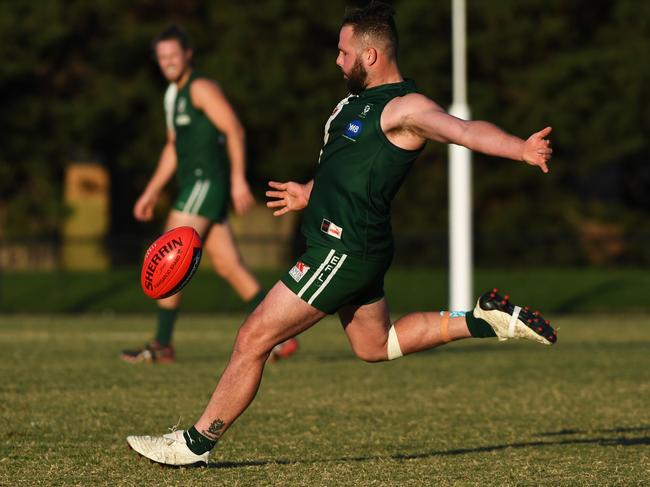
{"type": "Point", "coordinates": [206, 197]}
{"type": "Point", "coordinates": [328, 279]}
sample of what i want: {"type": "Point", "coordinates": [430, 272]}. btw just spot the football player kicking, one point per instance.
{"type": "Point", "coordinates": [371, 140]}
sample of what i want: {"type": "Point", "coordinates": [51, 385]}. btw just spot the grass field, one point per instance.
{"type": "Point", "coordinates": [557, 290]}
{"type": "Point", "coordinates": [473, 413]}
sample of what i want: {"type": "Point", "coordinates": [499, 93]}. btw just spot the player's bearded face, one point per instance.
{"type": "Point", "coordinates": [172, 59]}
{"type": "Point", "coordinates": [357, 77]}
{"type": "Point", "coordinates": [173, 69]}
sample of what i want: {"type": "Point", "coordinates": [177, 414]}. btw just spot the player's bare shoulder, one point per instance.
{"type": "Point", "coordinates": [399, 116]}
{"type": "Point", "coordinates": [423, 118]}
{"type": "Point", "coordinates": [204, 90]}
{"type": "Point", "coordinates": [402, 109]}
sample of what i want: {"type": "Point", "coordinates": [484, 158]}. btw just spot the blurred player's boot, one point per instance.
{"type": "Point", "coordinates": [169, 449]}
{"type": "Point", "coordinates": [284, 350]}
{"type": "Point", "coordinates": [151, 353]}
{"type": "Point", "coordinates": [510, 321]}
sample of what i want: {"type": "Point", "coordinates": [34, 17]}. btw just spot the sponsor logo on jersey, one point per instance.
{"type": "Point", "coordinates": [353, 130]}
{"type": "Point", "coordinates": [183, 119]}
{"type": "Point", "coordinates": [298, 271]}
{"type": "Point", "coordinates": [331, 229]}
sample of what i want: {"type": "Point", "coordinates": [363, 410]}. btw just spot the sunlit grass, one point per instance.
{"type": "Point", "coordinates": [476, 412]}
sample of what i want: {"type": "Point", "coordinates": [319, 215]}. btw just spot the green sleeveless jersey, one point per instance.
{"type": "Point", "coordinates": [358, 175]}
{"type": "Point", "coordinates": [200, 146]}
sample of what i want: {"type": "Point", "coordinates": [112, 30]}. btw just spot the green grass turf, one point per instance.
{"type": "Point", "coordinates": [476, 412]}
{"type": "Point", "coordinates": [560, 290]}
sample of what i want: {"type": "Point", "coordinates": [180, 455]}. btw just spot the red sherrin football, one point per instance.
{"type": "Point", "coordinates": [170, 262]}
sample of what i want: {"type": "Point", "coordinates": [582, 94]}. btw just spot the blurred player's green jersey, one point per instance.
{"type": "Point", "coordinates": [359, 173]}
{"type": "Point", "coordinates": [200, 146]}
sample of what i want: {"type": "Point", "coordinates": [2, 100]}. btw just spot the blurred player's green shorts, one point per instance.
{"type": "Point", "coordinates": [328, 279]}
{"type": "Point", "coordinates": [205, 197]}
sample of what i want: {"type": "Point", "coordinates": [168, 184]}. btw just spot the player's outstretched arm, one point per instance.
{"type": "Point", "coordinates": [145, 204]}
{"type": "Point", "coordinates": [417, 116]}
{"type": "Point", "coordinates": [207, 96]}
{"type": "Point", "coordinates": [288, 196]}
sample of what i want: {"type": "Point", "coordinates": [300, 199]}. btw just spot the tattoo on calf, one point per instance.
{"type": "Point", "coordinates": [215, 430]}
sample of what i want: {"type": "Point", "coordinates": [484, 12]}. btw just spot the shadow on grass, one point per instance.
{"type": "Point", "coordinates": [600, 441]}
{"type": "Point", "coordinates": [582, 432]}
{"type": "Point", "coordinates": [96, 294]}
{"type": "Point", "coordinates": [573, 303]}
{"type": "Point", "coordinates": [623, 441]}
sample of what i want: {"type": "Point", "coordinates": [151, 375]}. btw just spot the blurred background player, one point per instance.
{"type": "Point", "coordinates": [206, 149]}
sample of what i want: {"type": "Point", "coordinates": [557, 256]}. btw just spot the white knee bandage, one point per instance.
{"type": "Point", "coordinates": [394, 351]}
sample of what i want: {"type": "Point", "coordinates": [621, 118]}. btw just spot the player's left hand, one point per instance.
{"type": "Point", "coordinates": [242, 198]}
{"type": "Point", "coordinates": [537, 149]}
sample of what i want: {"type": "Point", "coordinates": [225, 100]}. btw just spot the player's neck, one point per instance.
{"type": "Point", "coordinates": [387, 76]}
{"type": "Point", "coordinates": [182, 81]}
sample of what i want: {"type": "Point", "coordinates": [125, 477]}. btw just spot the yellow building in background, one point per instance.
{"type": "Point", "coordinates": [87, 197]}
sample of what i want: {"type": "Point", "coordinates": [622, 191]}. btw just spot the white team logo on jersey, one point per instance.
{"type": "Point", "coordinates": [181, 105]}
{"type": "Point", "coordinates": [182, 118]}
{"type": "Point", "coordinates": [365, 111]}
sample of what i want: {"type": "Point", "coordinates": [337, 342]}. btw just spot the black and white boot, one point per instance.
{"type": "Point", "coordinates": [510, 321]}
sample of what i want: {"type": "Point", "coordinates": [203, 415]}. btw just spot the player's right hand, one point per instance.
{"type": "Point", "coordinates": [288, 196]}
{"type": "Point", "coordinates": [241, 195]}
{"type": "Point", "coordinates": [144, 206]}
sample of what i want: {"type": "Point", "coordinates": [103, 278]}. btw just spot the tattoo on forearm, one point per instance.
{"type": "Point", "coordinates": [215, 430]}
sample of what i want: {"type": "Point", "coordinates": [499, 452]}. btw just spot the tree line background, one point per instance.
{"type": "Point", "coordinates": [78, 83]}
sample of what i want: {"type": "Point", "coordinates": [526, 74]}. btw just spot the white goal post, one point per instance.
{"type": "Point", "coordinates": [460, 177]}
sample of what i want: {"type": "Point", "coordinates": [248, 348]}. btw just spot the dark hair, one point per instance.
{"type": "Point", "coordinates": [172, 32]}
{"type": "Point", "coordinates": [375, 20]}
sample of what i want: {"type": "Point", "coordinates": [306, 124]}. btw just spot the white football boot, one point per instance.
{"type": "Point", "coordinates": [510, 321]}
{"type": "Point", "coordinates": [169, 449]}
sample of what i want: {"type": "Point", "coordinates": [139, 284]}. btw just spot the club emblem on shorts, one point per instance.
{"type": "Point", "coordinates": [298, 271]}
{"type": "Point", "coordinates": [331, 229]}
{"type": "Point", "coordinates": [353, 130]}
